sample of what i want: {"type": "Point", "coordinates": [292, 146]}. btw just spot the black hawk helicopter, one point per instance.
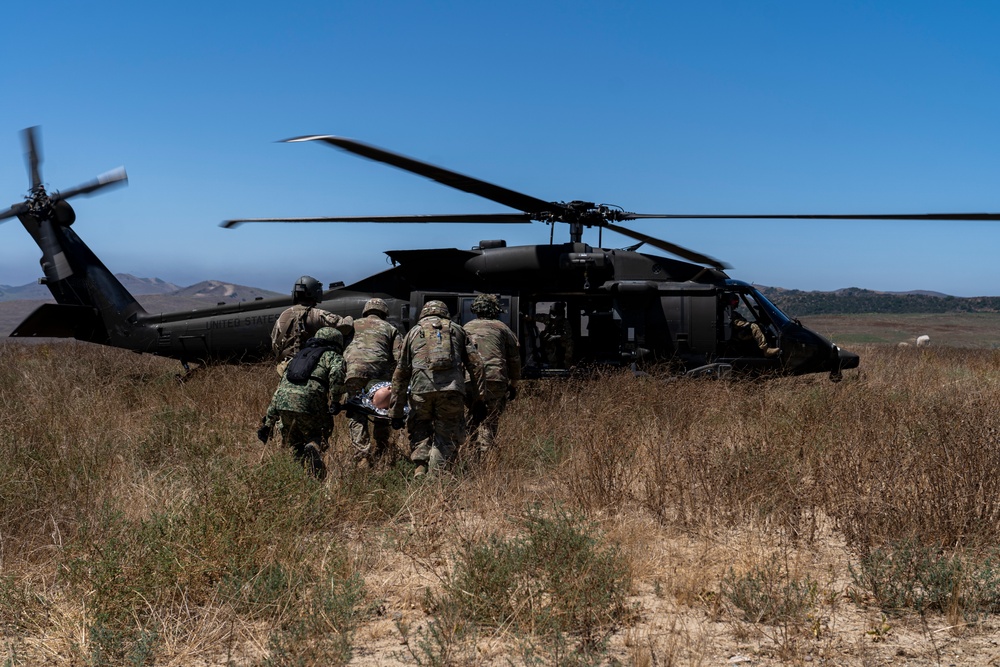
{"type": "Point", "coordinates": [623, 307]}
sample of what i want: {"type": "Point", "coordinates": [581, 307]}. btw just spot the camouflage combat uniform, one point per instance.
{"type": "Point", "coordinates": [371, 357]}
{"type": "Point", "coordinates": [745, 330]}
{"type": "Point", "coordinates": [498, 348]}
{"type": "Point", "coordinates": [435, 355]}
{"type": "Point", "coordinates": [304, 408]}
{"type": "Point", "coordinates": [298, 324]}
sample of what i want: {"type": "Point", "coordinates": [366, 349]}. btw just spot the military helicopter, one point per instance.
{"type": "Point", "coordinates": [624, 307]}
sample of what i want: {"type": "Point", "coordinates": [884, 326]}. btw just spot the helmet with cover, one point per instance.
{"type": "Point", "coordinates": [486, 305]}
{"type": "Point", "coordinates": [331, 337]}
{"type": "Point", "coordinates": [377, 306]}
{"type": "Point", "coordinates": [435, 307]}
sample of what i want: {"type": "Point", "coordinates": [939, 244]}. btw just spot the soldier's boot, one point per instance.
{"type": "Point", "coordinates": [313, 460]}
{"type": "Point", "coordinates": [437, 462]}
{"type": "Point", "coordinates": [772, 352]}
{"type": "Point", "coordinates": [420, 470]}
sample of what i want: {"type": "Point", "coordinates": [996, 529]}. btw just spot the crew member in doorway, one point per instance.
{"type": "Point", "coordinates": [745, 330]}
{"type": "Point", "coordinates": [557, 338]}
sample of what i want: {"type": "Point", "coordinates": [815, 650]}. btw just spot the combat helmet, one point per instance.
{"type": "Point", "coordinates": [375, 305]}
{"type": "Point", "coordinates": [307, 289]}
{"type": "Point", "coordinates": [435, 307]}
{"type": "Point", "coordinates": [331, 337]}
{"type": "Point", "coordinates": [486, 305]}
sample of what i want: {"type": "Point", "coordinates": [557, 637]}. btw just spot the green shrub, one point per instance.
{"type": "Point", "coordinates": [557, 577]}
{"type": "Point", "coordinates": [908, 575]}
{"type": "Point", "coordinates": [769, 594]}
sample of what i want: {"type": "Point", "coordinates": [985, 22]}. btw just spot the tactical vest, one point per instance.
{"type": "Point", "coordinates": [299, 331]}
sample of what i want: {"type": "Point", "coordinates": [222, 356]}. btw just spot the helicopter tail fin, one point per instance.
{"type": "Point", "coordinates": [91, 303]}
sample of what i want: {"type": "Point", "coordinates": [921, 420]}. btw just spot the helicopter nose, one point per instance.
{"type": "Point", "coordinates": [840, 360]}
{"type": "Point", "coordinates": [848, 359]}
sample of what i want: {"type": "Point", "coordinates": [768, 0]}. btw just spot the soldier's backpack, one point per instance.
{"type": "Point", "coordinates": [302, 365]}
{"type": "Point", "coordinates": [437, 346]}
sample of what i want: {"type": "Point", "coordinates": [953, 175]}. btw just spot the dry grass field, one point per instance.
{"type": "Point", "coordinates": [622, 520]}
{"type": "Point", "coordinates": [947, 329]}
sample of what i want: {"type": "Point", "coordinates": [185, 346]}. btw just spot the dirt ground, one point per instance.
{"type": "Point", "coordinates": [684, 621]}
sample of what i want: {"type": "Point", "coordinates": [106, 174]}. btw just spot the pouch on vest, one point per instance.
{"type": "Point", "coordinates": [299, 331]}
{"type": "Point", "coordinates": [437, 339]}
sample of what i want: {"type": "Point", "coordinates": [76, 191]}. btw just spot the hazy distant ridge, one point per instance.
{"type": "Point", "coordinates": [855, 301]}
{"type": "Point", "coordinates": [215, 290]}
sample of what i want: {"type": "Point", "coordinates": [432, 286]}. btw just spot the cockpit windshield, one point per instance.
{"type": "Point", "coordinates": [777, 317]}
{"type": "Point", "coordinates": [758, 305]}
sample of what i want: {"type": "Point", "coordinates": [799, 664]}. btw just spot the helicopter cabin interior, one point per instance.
{"type": "Point", "coordinates": [682, 323]}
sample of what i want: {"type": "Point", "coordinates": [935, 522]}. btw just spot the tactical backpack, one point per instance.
{"type": "Point", "coordinates": [437, 343]}
{"type": "Point", "coordinates": [300, 368]}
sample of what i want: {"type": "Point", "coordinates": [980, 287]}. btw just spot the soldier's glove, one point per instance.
{"type": "Point", "coordinates": [479, 411]}
{"type": "Point", "coordinates": [264, 432]}
{"type": "Point", "coordinates": [511, 392]}
{"type": "Point", "coordinates": [335, 408]}
{"type": "Point", "coordinates": [397, 423]}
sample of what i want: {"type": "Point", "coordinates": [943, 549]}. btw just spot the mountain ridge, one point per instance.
{"type": "Point", "coordinates": [217, 290]}
{"type": "Point", "coordinates": [856, 301]}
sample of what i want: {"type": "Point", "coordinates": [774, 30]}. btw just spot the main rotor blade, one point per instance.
{"type": "Point", "coordinates": [452, 179]}
{"type": "Point", "coordinates": [477, 218]}
{"type": "Point", "coordinates": [852, 216]}
{"type": "Point", "coordinates": [672, 248]}
{"type": "Point", "coordinates": [32, 154]}
{"type": "Point", "coordinates": [111, 178]}
{"type": "Point", "coordinates": [16, 209]}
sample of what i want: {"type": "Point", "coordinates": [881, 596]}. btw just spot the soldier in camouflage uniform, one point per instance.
{"type": "Point", "coordinates": [299, 323]}
{"type": "Point", "coordinates": [302, 399]}
{"type": "Point", "coordinates": [436, 353]}
{"type": "Point", "coordinates": [371, 357]}
{"type": "Point", "coordinates": [498, 348]}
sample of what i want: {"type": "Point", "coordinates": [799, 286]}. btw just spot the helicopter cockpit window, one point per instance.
{"type": "Point", "coordinates": [777, 317]}
{"type": "Point", "coordinates": [747, 326]}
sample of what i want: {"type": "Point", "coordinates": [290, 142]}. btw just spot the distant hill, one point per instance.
{"type": "Point", "coordinates": [220, 291]}
{"type": "Point", "coordinates": [137, 286]}
{"type": "Point", "coordinates": [155, 295]}
{"type": "Point", "coordinates": [856, 301]}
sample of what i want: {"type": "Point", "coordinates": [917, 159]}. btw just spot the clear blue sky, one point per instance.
{"type": "Point", "coordinates": [659, 107]}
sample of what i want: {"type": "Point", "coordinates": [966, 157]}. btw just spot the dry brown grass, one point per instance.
{"type": "Point", "coordinates": [141, 522]}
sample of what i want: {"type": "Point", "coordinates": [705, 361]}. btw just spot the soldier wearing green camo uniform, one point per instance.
{"type": "Point", "coordinates": [299, 323]}
{"type": "Point", "coordinates": [302, 399]}
{"type": "Point", "coordinates": [498, 348]}
{"type": "Point", "coordinates": [371, 357]}
{"type": "Point", "coordinates": [436, 353]}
